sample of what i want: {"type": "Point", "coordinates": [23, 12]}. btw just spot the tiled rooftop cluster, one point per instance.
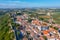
{"type": "Point", "coordinates": [37, 29]}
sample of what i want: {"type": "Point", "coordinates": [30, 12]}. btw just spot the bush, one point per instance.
{"type": "Point", "coordinates": [51, 26]}
{"type": "Point", "coordinates": [29, 19]}
{"type": "Point", "coordinates": [55, 28]}
{"type": "Point", "coordinates": [41, 19]}
{"type": "Point", "coordinates": [45, 37]}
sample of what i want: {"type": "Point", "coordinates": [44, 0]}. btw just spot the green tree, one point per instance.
{"type": "Point", "coordinates": [5, 28]}
{"type": "Point", "coordinates": [45, 37]}
{"type": "Point", "coordinates": [55, 28]}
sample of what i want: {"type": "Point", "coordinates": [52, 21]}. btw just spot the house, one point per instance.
{"type": "Point", "coordinates": [44, 26]}
{"type": "Point", "coordinates": [41, 38]}
{"type": "Point", "coordinates": [41, 26]}
{"type": "Point", "coordinates": [35, 22]}
{"type": "Point", "coordinates": [51, 39]}
{"type": "Point", "coordinates": [46, 32]}
{"type": "Point", "coordinates": [25, 16]}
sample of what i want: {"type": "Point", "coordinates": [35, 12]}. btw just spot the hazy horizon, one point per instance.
{"type": "Point", "coordinates": [29, 3]}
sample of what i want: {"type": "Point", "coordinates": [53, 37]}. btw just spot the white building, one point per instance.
{"type": "Point", "coordinates": [51, 38]}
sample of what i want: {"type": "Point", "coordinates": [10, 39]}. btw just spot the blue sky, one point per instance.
{"type": "Point", "coordinates": [29, 3]}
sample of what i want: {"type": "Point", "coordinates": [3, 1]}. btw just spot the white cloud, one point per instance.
{"type": "Point", "coordinates": [15, 4]}
{"type": "Point", "coordinates": [18, 4]}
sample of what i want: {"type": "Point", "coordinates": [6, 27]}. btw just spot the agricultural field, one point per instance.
{"type": "Point", "coordinates": [56, 17]}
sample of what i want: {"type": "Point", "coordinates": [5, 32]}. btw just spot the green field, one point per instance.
{"type": "Point", "coordinates": [56, 17]}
